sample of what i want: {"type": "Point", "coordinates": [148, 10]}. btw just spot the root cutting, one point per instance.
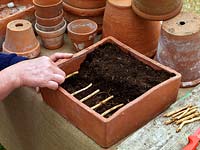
{"type": "Point", "coordinates": [72, 74]}
{"type": "Point", "coordinates": [176, 111]}
{"type": "Point", "coordinates": [89, 96]}
{"type": "Point", "coordinates": [102, 102]}
{"type": "Point", "coordinates": [83, 89]}
{"type": "Point", "coordinates": [187, 122]}
{"type": "Point", "coordinates": [111, 109]}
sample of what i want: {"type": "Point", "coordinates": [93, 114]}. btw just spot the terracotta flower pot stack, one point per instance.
{"type": "Point", "coordinates": [20, 39]}
{"type": "Point", "coordinates": [157, 9]}
{"type": "Point", "coordinates": [179, 47]}
{"type": "Point", "coordinates": [85, 9]}
{"type": "Point", "coordinates": [50, 24]}
{"type": "Point", "coordinates": [121, 22]}
{"type": "Point", "coordinates": [82, 33]}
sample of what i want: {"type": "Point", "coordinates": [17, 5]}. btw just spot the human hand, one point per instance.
{"type": "Point", "coordinates": [41, 72]}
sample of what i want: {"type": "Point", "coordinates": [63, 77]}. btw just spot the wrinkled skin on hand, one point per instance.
{"type": "Point", "coordinates": [41, 72]}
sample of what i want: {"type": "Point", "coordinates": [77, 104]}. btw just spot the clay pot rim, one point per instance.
{"type": "Point", "coordinates": [52, 33]}
{"type": "Point", "coordinates": [157, 17]}
{"type": "Point", "coordinates": [83, 20]}
{"type": "Point", "coordinates": [139, 56]}
{"type": "Point", "coordinates": [21, 22]}
{"type": "Point", "coordinates": [83, 12]}
{"type": "Point", "coordinates": [179, 20]}
{"type": "Point", "coordinates": [71, 17]}
{"type": "Point", "coordinates": [51, 28]}
{"type": "Point", "coordinates": [34, 50]}
{"type": "Point", "coordinates": [119, 6]}
{"type": "Point", "coordinates": [45, 6]}
{"type": "Point", "coordinates": [49, 19]}
{"type": "Point", "coordinates": [81, 3]}
{"type": "Point", "coordinates": [172, 36]}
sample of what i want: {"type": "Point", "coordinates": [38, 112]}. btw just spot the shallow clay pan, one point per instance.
{"type": "Point", "coordinates": [107, 130]}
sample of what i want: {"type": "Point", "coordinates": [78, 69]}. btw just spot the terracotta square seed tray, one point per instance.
{"type": "Point", "coordinates": [24, 10]}
{"type": "Point", "coordinates": [106, 131]}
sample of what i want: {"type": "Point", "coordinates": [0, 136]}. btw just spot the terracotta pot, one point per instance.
{"type": "Point", "coordinates": [86, 4]}
{"type": "Point", "coordinates": [48, 8]}
{"type": "Point", "coordinates": [83, 12]}
{"type": "Point", "coordinates": [82, 33]}
{"type": "Point", "coordinates": [179, 47]}
{"type": "Point", "coordinates": [122, 23]}
{"type": "Point", "coordinates": [157, 9]}
{"type": "Point", "coordinates": [52, 39]}
{"type": "Point", "coordinates": [48, 22]}
{"type": "Point", "coordinates": [108, 131]}
{"type": "Point", "coordinates": [52, 28]}
{"type": "Point", "coordinates": [27, 14]}
{"type": "Point", "coordinates": [69, 17]}
{"type": "Point", "coordinates": [20, 39]}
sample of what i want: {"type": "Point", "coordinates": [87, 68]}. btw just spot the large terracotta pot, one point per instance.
{"type": "Point", "coordinates": [20, 39]}
{"type": "Point", "coordinates": [48, 8]}
{"type": "Point", "coordinates": [108, 131]}
{"type": "Point", "coordinates": [157, 9]}
{"type": "Point", "coordinates": [122, 23]}
{"type": "Point", "coordinates": [179, 47]}
{"type": "Point", "coordinates": [49, 21]}
{"type": "Point", "coordinates": [27, 13]}
{"type": "Point", "coordinates": [82, 33]}
{"type": "Point", "coordinates": [52, 39]}
{"type": "Point", "coordinates": [86, 4]}
{"type": "Point", "coordinates": [83, 12]}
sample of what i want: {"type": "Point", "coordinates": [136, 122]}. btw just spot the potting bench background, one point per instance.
{"type": "Point", "coordinates": [27, 123]}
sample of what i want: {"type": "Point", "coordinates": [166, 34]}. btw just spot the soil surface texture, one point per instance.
{"type": "Point", "coordinates": [116, 73]}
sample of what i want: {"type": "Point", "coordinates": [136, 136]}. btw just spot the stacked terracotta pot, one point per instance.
{"type": "Point", "coordinates": [121, 22]}
{"type": "Point", "coordinates": [50, 24]}
{"type": "Point", "coordinates": [157, 9]}
{"type": "Point", "coordinates": [137, 22]}
{"type": "Point", "coordinates": [85, 9]}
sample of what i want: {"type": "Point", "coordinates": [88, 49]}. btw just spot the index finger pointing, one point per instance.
{"type": "Point", "coordinates": [58, 56]}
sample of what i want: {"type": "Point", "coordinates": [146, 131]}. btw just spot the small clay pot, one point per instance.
{"type": "Point", "coordinates": [52, 39]}
{"type": "Point", "coordinates": [86, 4]}
{"type": "Point", "coordinates": [83, 12]}
{"type": "Point", "coordinates": [157, 9]}
{"type": "Point", "coordinates": [179, 47]}
{"type": "Point", "coordinates": [20, 39]}
{"type": "Point", "coordinates": [82, 33]}
{"type": "Point", "coordinates": [69, 17]}
{"type": "Point", "coordinates": [48, 22]}
{"type": "Point", "coordinates": [122, 23]}
{"type": "Point", "coordinates": [48, 8]}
